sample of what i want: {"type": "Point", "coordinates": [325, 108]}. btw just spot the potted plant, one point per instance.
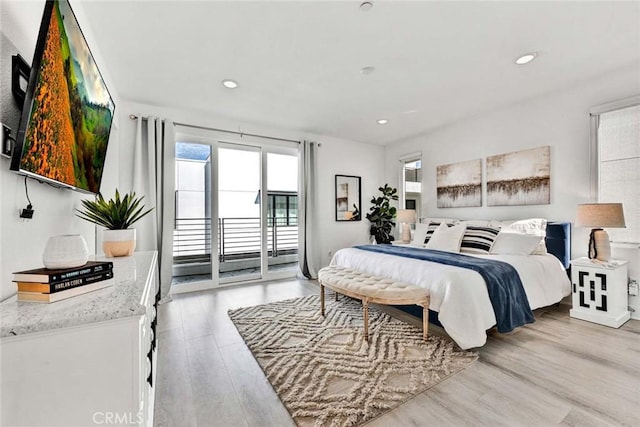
{"type": "Point", "coordinates": [381, 214]}
{"type": "Point", "coordinates": [116, 215]}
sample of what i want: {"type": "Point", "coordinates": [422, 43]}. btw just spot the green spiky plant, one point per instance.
{"type": "Point", "coordinates": [114, 214]}
{"type": "Point", "coordinates": [381, 214]}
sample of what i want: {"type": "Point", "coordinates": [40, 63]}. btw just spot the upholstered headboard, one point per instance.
{"type": "Point", "coordinates": [558, 241]}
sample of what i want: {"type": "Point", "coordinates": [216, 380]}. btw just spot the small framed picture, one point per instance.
{"type": "Point", "coordinates": [348, 201]}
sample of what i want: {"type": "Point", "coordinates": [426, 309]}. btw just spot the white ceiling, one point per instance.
{"type": "Point", "coordinates": [298, 63]}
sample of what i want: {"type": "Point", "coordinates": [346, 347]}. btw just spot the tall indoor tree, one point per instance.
{"type": "Point", "coordinates": [381, 214]}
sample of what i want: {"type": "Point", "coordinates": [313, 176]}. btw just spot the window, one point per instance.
{"type": "Point", "coordinates": [411, 183]}
{"type": "Point", "coordinates": [616, 129]}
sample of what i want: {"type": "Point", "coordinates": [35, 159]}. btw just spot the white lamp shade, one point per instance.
{"type": "Point", "coordinates": [600, 215]}
{"type": "Point", "coordinates": [407, 216]}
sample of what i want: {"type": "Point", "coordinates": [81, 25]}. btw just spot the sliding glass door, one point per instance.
{"type": "Point", "coordinates": [192, 248]}
{"type": "Point", "coordinates": [282, 211]}
{"type": "Point", "coordinates": [236, 212]}
{"type": "Point", "coordinates": [239, 214]}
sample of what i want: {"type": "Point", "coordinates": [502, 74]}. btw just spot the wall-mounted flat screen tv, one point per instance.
{"type": "Point", "coordinates": [68, 111]}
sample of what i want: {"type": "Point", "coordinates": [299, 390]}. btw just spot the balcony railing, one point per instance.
{"type": "Point", "coordinates": [238, 238]}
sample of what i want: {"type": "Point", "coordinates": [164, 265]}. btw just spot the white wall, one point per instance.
{"type": "Point", "coordinates": [22, 241]}
{"type": "Point", "coordinates": [336, 156]}
{"type": "Point", "coordinates": [559, 119]}
{"type": "Point", "coordinates": [341, 157]}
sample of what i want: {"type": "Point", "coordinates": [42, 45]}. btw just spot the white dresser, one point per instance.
{"type": "Point", "coordinates": [87, 360]}
{"type": "Point", "coordinates": [599, 291]}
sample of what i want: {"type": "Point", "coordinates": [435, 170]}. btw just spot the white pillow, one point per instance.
{"type": "Point", "coordinates": [447, 238]}
{"type": "Point", "coordinates": [419, 234]}
{"type": "Point", "coordinates": [449, 221]}
{"type": "Point", "coordinates": [514, 244]}
{"type": "Point", "coordinates": [532, 226]}
{"type": "Point", "coordinates": [478, 223]}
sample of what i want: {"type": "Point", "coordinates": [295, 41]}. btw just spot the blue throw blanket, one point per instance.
{"type": "Point", "coordinates": [507, 295]}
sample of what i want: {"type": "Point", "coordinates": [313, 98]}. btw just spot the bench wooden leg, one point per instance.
{"type": "Point", "coordinates": [365, 308]}
{"type": "Point", "coordinates": [322, 299]}
{"type": "Point", "coordinates": [425, 319]}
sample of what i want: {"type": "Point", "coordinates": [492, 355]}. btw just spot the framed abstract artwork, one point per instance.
{"type": "Point", "coordinates": [348, 199]}
{"type": "Point", "coordinates": [519, 178]}
{"type": "Point", "coordinates": [459, 184]}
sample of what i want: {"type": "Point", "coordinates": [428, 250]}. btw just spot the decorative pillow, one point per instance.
{"type": "Point", "coordinates": [433, 225]}
{"type": "Point", "coordinates": [478, 240]}
{"type": "Point", "coordinates": [514, 244]}
{"type": "Point", "coordinates": [478, 223]}
{"type": "Point", "coordinates": [449, 221]}
{"type": "Point", "coordinates": [446, 238]}
{"type": "Point", "coordinates": [420, 234]}
{"type": "Point", "coordinates": [531, 226]}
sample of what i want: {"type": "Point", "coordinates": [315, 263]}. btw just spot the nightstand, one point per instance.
{"type": "Point", "coordinates": [599, 291]}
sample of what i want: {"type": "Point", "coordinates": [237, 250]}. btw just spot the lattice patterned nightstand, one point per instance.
{"type": "Point", "coordinates": [599, 291]}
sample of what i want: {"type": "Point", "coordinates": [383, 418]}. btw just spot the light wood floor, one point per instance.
{"type": "Point", "coordinates": [557, 371]}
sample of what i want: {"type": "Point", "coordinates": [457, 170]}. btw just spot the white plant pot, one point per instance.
{"type": "Point", "coordinates": [116, 243]}
{"type": "Point", "coordinates": [66, 251]}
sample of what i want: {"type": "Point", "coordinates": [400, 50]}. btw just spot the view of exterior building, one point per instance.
{"type": "Point", "coordinates": [238, 245]}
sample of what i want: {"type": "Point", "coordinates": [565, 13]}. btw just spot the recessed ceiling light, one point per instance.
{"type": "Point", "coordinates": [230, 84]}
{"type": "Point", "coordinates": [526, 58]}
{"type": "Point", "coordinates": [366, 6]}
{"type": "Point", "coordinates": [383, 121]}
{"type": "Point", "coordinates": [365, 71]}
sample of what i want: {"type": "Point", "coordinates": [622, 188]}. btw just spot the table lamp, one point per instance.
{"type": "Point", "coordinates": [599, 215]}
{"type": "Point", "coordinates": [406, 217]}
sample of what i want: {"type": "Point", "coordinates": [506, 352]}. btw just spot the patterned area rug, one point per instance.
{"type": "Point", "coordinates": [327, 375]}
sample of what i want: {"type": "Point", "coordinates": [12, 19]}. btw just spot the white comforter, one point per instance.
{"type": "Point", "coordinates": [459, 295]}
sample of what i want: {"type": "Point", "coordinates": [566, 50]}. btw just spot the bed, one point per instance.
{"type": "Point", "coordinates": [460, 300]}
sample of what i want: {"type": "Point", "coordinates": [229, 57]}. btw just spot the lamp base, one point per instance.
{"type": "Point", "coordinates": [406, 233]}
{"type": "Point", "coordinates": [599, 246]}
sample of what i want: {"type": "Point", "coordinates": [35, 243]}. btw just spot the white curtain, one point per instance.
{"type": "Point", "coordinates": [153, 178]}
{"type": "Point", "coordinates": [308, 210]}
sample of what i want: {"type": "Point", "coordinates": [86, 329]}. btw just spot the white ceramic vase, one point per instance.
{"type": "Point", "coordinates": [117, 243]}
{"type": "Point", "coordinates": [66, 251]}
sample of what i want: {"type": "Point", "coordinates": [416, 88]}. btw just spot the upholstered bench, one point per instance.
{"type": "Point", "coordinates": [372, 289]}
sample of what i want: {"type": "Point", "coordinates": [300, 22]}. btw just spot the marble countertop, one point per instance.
{"type": "Point", "coordinates": [123, 299]}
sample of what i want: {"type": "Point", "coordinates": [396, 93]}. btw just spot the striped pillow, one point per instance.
{"type": "Point", "coordinates": [432, 227]}
{"type": "Point", "coordinates": [478, 240]}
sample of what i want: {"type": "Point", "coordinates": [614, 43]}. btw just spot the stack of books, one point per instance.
{"type": "Point", "coordinates": [47, 285]}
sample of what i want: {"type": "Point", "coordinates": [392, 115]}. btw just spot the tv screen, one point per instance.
{"type": "Point", "coordinates": [67, 114]}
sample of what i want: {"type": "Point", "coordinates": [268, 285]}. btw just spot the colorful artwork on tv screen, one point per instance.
{"type": "Point", "coordinates": [70, 119]}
